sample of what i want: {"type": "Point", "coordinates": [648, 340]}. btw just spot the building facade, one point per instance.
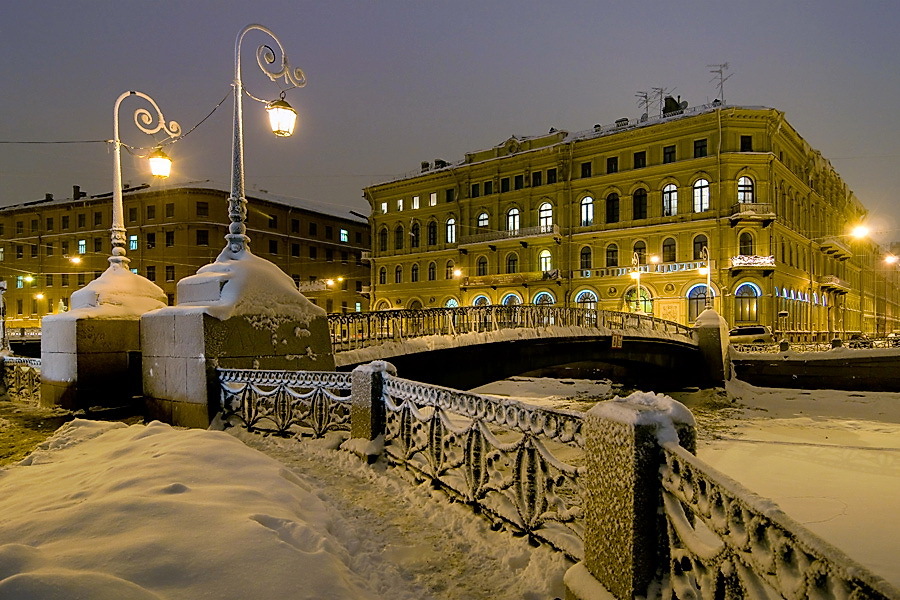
{"type": "Point", "coordinates": [51, 248]}
{"type": "Point", "coordinates": [569, 219]}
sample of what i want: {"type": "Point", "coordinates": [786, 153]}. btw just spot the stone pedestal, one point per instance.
{"type": "Point", "coordinates": [712, 337]}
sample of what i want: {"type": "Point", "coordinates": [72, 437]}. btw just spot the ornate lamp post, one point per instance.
{"type": "Point", "coordinates": [159, 164]}
{"type": "Point", "coordinates": [707, 269]}
{"type": "Point", "coordinates": [636, 275]}
{"type": "Point", "coordinates": [281, 118]}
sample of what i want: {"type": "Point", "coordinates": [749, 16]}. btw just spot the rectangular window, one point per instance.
{"type": "Point", "coordinates": [699, 148]}
{"type": "Point", "coordinates": [504, 184]}
{"type": "Point", "coordinates": [586, 169]}
{"type": "Point", "coordinates": [82, 246]}
{"type": "Point", "coordinates": [344, 256]}
{"type": "Point", "coordinates": [488, 188]}
{"type": "Point", "coordinates": [536, 179]}
{"type": "Point", "coordinates": [400, 205]}
{"type": "Point", "coordinates": [170, 239]}
{"type": "Point", "coordinates": [295, 250]}
{"type": "Point", "coordinates": [329, 232]}
{"type": "Point", "coordinates": [449, 195]}
{"type": "Point", "coordinates": [82, 221]}
{"type": "Point", "coordinates": [48, 279]}
{"type": "Point", "coordinates": [551, 176]}
{"type": "Point", "coordinates": [296, 278]}
{"type": "Point", "coordinates": [612, 164]}
{"type": "Point", "coordinates": [151, 241]}
{"type": "Point", "coordinates": [476, 190]}
{"type": "Point", "coordinates": [273, 246]}
{"type": "Point", "coordinates": [669, 154]}
{"type": "Point", "coordinates": [273, 221]}
{"type": "Point", "coordinates": [170, 210]}
{"type": "Point", "coordinates": [65, 222]}
{"type": "Point", "coordinates": [329, 255]}
{"type": "Point", "coordinates": [414, 203]}
{"type": "Point", "coordinates": [313, 228]}
{"type": "Point", "coordinates": [34, 250]}
{"type": "Point", "coordinates": [20, 281]}
{"type": "Point", "coordinates": [432, 199]}
{"type": "Point", "coordinates": [34, 226]}
{"type": "Point", "coordinates": [132, 242]}
{"type": "Point", "coordinates": [20, 227]}
{"type": "Point", "coordinates": [384, 208]}
{"type": "Point", "coordinates": [151, 273]}
{"type": "Point", "coordinates": [64, 247]}
{"type": "Point", "coordinates": [98, 244]}
{"type": "Point", "coordinates": [81, 279]}
{"type": "Point", "coordinates": [518, 182]}
{"type": "Point", "coordinates": [20, 251]}
{"type": "Point", "coordinates": [295, 225]}
{"type": "Point", "coordinates": [746, 143]}
{"type": "Point", "coordinates": [202, 237]}
{"type": "Point", "coordinates": [345, 236]}
{"type": "Point", "coordinates": [151, 212]}
{"type": "Point", "coordinates": [202, 209]}
{"type": "Point", "coordinates": [98, 219]}
{"type": "Point", "coordinates": [640, 160]}
{"type": "Point", "coordinates": [49, 224]}
{"type": "Point", "coordinates": [313, 253]}
{"type": "Point", "coordinates": [132, 214]}
{"type": "Point", "coordinates": [48, 250]}
{"type": "Point", "coordinates": [170, 272]}
{"type": "Point", "coordinates": [64, 280]}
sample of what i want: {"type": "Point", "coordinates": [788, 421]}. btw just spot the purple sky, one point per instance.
{"type": "Point", "coordinates": [394, 83]}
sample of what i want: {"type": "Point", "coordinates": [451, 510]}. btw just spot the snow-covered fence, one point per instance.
{"type": "Point", "coordinates": [22, 378]}
{"type": "Point", "coordinates": [285, 402]}
{"type": "Point", "coordinates": [350, 331]}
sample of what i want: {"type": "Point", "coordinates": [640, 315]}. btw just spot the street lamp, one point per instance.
{"type": "Point", "coordinates": [281, 118]}
{"type": "Point", "coordinates": [144, 121]}
{"type": "Point", "coordinates": [706, 269]}
{"type": "Point", "coordinates": [4, 341]}
{"type": "Point", "coordinates": [636, 275]}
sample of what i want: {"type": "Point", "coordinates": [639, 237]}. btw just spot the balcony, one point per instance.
{"type": "Point", "coordinates": [744, 212]}
{"type": "Point", "coordinates": [507, 279]}
{"type": "Point", "coordinates": [833, 283]}
{"type": "Point", "coordinates": [312, 286]}
{"type": "Point", "coordinates": [763, 264]}
{"type": "Point", "coordinates": [833, 246]}
{"type": "Point", "coordinates": [514, 234]}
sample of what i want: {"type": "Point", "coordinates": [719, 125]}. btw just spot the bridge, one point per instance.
{"type": "Point", "coordinates": [469, 346]}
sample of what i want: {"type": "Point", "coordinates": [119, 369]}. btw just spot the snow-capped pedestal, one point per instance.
{"type": "Point", "coordinates": [91, 355]}
{"type": "Point", "coordinates": [239, 312]}
{"type": "Point", "coordinates": [712, 337]}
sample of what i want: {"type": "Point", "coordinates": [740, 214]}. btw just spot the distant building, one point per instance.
{"type": "Point", "coordinates": [567, 218]}
{"type": "Point", "coordinates": [171, 232]}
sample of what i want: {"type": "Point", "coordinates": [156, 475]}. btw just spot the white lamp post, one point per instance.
{"type": "Point", "coordinates": [707, 269]}
{"type": "Point", "coordinates": [158, 161]}
{"type": "Point", "coordinates": [636, 275]}
{"type": "Point", "coordinates": [281, 118]}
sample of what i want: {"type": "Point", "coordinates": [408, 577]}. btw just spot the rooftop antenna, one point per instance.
{"type": "Point", "coordinates": [719, 71]}
{"type": "Point", "coordinates": [643, 101]}
{"type": "Point", "coordinates": [659, 93]}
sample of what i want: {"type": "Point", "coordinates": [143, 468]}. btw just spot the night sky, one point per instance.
{"type": "Point", "coordinates": [395, 83]}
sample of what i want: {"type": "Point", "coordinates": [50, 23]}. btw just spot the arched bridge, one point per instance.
{"type": "Point", "coordinates": [464, 347]}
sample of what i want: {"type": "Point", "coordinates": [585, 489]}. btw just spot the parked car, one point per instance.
{"type": "Point", "coordinates": [859, 340]}
{"type": "Point", "coordinates": [751, 334]}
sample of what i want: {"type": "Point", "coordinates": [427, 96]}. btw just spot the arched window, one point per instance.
{"type": "Point", "coordinates": [448, 272]}
{"type": "Point", "coordinates": [746, 244]}
{"type": "Point", "coordinates": [670, 200]}
{"type": "Point", "coordinates": [383, 239]}
{"type": "Point", "coordinates": [668, 250]}
{"type": "Point", "coordinates": [398, 274]}
{"type": "Point", "coordinates": [586, 299]}
{"type": "Point", "coordinates": [483, 220]}
{"type": "Point", "coordinates": [432, 271]}
{"type": "Point", "coordinates": [700, 243]}
{"type": "Point", "coordinates": [451, 230]}
{"type": "Point", "coordinates": [545, 261]}
{"type": "Point", "coordinates": [481, 301]}
{"type": "Point", "coordinates": [701, 195]}
{"type": "Point", "coordinates": [512, 219]}
{"type": "Point", "coordinates": [587, 211]}
{"type": "Point", "coordinates": [398, 237]}
{"type": "Point", "coordinates": [382, 275]}
{"type": "Point", "coordinates": [586, 257]}
{"type": "Point", "coordinates": [511, 299]}
{"type": "Point", "coordinates": [746, 300]}
{"type": "Point", "coordinates": [481, 266]}
{"type": "Point", "coordinates": [545, 217]}
{"type": "Point", "coordinates": [512, 263]}
{"type": "Point", "coordinates": [383, 305]}
{"type": "Point", "coordinates": [745, 190]}
{"type": "Point", "coordinates": [432, 233]}
{"type": "Point", "coordinates": [640, 248]}
{"type": "Point", "coordinates": [612, 208]}
{"type": "Point", "coordinates": [639, 300]}
{"type": "Point", "coordinates": [414, 235]}
{"type": "Point", "coordinates": [451, 303]}
{"type": "Point", "coordinates": [414, 273]}
{"type": "Point", "coordinates": [544, 298]}
{"type": "Point", "coordinates": [415, 305]}
{"type": "Point", "coordinates": [639, 204]}
{"type": "Point", "coordinates": [696, 301]}
{"type": "Point", "coordinates": [612, 255]}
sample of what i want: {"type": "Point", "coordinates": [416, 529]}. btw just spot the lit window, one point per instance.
{"type": "Point", "coordinates": [545, 260]}
{"type": "Point", "coordinates": [586, 299]}
{"type": "Point", "coordinates": [384, 208]}
{"type": "Point", "coordinates": [415, 202]}
{"type": "Point", "coordinates": [670, 200]}
{"type": "Point", "coordinates": [82, 246]}
{"type": "Point", "coordinates": [483, 220]}
{"type": "Point", "coordinates": [399, 204]}
{"type": "Point", "coordinates": [545, 217]}
{"type": "Point", "coordinates": [132, 242]}
{"type": "Point", "coordinates": [451, 230]}
{"type": "Point", "coordinates": [587, 211]}
{"type": "Point", "coordinates": [432, 199]}
{"type": "Point", "coordinates": [345, 236]}
{"type": "Point", "coordinates": [701, 195]}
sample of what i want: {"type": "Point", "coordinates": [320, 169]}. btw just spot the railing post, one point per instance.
{"type": "Point", "coordinates": [625, 539]}
{"type": "Point", "coordinates": [367, 411]}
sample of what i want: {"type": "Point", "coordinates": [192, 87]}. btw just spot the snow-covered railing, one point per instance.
{"type": "Point", "coordinates": [853, 344]}
{"type": "Point", "coordinates": [512, 461]}
{"type": "Point", "coordinates": [360, 330]}
{"type": "Point", "coordinates": [22, 378]}
{"type": "Point", "coordinates": [724, 537]}
{"type": "Point", "coordinates": [312, 402]}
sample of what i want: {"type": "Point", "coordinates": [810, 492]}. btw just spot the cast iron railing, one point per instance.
{"type": "Point", "coordinates": [22, 377]}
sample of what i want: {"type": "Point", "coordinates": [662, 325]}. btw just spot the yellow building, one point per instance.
{"type": "Point", "coordinates": [50, 248]}
{"type": "Point", "coordinates": [567, 218]}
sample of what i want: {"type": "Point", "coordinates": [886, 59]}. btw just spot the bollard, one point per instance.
{"type": "Point", "coordinates": [367, 412]}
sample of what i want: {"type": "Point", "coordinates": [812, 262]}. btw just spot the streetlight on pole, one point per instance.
{"type": "Point", "coordinates": [159, 164]}
{"type": "Point", "coordinates": [707, 269]}
{"type": "Point", "coordinates": [281, 119]}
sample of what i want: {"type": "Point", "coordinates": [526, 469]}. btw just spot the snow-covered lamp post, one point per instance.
{"type": "Point", "coordinates": [240, 311]}
{"type": "Point", "coordinates": [707, 270]}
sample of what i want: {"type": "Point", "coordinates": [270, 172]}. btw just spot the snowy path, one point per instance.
{"type": "Point", "coordinates": [410, 542]}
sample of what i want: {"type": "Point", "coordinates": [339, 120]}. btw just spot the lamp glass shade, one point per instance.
{"type": "Point", "coordinates": [282, 118]}
{"type": "Point", "coordinates": [160, 163]}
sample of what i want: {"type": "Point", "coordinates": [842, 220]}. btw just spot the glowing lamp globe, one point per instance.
{"type": "Point", "coordinates": [282, 118]}
{"type": "Point", "coordinates": [160, 163]}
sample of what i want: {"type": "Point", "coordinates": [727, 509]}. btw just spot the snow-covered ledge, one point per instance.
{"type": "Point", "coordinates": [712, 338]}
{"type": "Point", "coordinates": [239, 312]}
{"type": "Point", "coordinates": [91, 354]}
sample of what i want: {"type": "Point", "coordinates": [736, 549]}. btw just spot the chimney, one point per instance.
{"type": "Point", "coordinates": [48, 196]}
{"type": "Point", "coordinates": [77, 193]}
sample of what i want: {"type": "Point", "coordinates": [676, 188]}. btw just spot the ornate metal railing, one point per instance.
{"type": "Point", "coordinates": [22, 378]}
{"type": "Point", "coordinates": [755, 548]}
{"type": "Point", "coordinates": [511, 461]}
{"type": "Point", "coordinates": [880, 342]}
{"type": "Point", "coordinates": [287, 402]}
{"type": "Point", "coordinates": [359, 330]}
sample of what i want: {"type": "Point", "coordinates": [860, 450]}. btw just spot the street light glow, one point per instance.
{"type": "Point", "coordinates": [859, 232]}
{"type": "Point", "coordinates": [160, 163]}
{"type": "Point", "coordinates": [282, 117]}
{"type": "Point", "coordinates": [891, 259]}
